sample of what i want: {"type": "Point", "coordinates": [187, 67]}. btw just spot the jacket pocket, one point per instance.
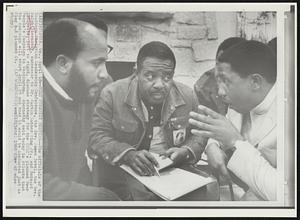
{"type": "Point", "coordinates": [124, 126]}
{"type": "Point", "coordinates": [178, 122]}
{"type": "Point", "coordinates": [177, 130]}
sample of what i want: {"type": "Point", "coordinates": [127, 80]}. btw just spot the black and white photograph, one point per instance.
{"type": "Point", "coordinates": [157, 109]}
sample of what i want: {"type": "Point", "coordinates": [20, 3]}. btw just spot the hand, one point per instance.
{"type": "Point", "coordinates": [177, 154]}
{"type": "Point", "coordinates": [214, 125]}
{"type": "Point", "coordinates": [141, 162]}
{"type": "Point", "coordinates": [217, 159]}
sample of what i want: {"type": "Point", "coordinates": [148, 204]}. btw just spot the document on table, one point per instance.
{"type": "Point", "coordinates": [172, 182]}
{"type": "Point", "coordinates": [163, 162]}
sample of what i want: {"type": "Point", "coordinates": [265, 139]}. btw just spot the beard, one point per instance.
{"type": "Point", "coordinates": [78, 88]}
{"type": "Point", "coordinates": [80, 91]}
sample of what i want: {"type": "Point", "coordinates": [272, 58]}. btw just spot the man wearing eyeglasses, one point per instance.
{"type": "Point", "coordinates": [74, 69]}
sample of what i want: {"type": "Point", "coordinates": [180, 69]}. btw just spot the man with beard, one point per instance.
{"type": "Point", "coordinates": [74, 65]}
{"type": "Point", "coordinates": [246, 75]}
{"type": "Point", "coordinates": [147, 112]}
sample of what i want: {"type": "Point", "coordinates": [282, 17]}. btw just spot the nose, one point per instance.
{"type": "Point", "coordinates": [221, 91]}
{"type": "Point", "coordinates": [102, 72]}
{"type": "Point", "coordinates": [158, 83]}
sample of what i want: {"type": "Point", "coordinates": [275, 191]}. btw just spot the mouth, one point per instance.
{"type": "Point", "coordinates": [93, 91]}
{"type": "Point", "coordinates": [157, 95]}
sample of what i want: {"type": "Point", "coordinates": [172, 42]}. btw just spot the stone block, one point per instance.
{"type": "Point", "coordinates": [199, 68]}
{"type": "Point", "coordinates": [211, 23]}
{"type": "Point", "coordinates": [189, 18]}
{"type": "Point", "coordinates": [180, 43]}
{"type": "Point", "coordinates": [127, 33]}
{"type": "Point", "coordinates": [204, 49]}
{"type": "Point", "coordinates": [191, 32]}
{"type": "Point", "coordinates": [149, 35]}
{"type": "Point", "coordinates": [163, 27]}
{"type": "Point", "coordinates": [124, 52]}
{"type": "Point", "coordinates": [184, 60]}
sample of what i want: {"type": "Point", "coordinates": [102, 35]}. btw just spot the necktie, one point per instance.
{"type": "Point", "coordinates": [246, 126]}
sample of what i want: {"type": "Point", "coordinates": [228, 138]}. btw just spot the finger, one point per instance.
{"type": "Point", "coordinates": [147, 163]}
{"type": "Point", "coordinates": [163, 155]}
{"type": "Point", "coordinates": [142, 167]}
{"type": "Point", "coordinates": [137, 169]}
{"type": "Point", "coordinates": [203, 118]}
{"type": "Point", "coordinates": [174, 156]}
{"type": "Point", "coordinates": [201, 125]}
{"type": "Point", "coordinates": [208, 112]}
{"type": "Point", "coordinates": [207, 134]}
{"type": "Point", "coordinates": [152, 159]}
{"type": "Point", "coordinates": [169, 152]}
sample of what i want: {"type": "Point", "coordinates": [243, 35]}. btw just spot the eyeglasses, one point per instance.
{"type": "Point", "coordinates": [109, 49]}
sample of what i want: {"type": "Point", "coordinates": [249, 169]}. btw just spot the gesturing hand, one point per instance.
{"type": "Point", "coordinates": [142, 162]}
{"type": "Point", "coordinates": [214, 125]}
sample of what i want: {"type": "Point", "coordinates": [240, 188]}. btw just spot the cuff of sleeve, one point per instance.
{"type": "Point", "coordinates": [119, 157]}
{"type": "Point", "coordinates": [240, 158]}
{"type": "Point", "coordinates": [193, 158]}
{"type": "Point", "coordinates": [211, 141]}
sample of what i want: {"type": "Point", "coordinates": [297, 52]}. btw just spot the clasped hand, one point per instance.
{"type": "Point", "coordinates": [144, 163]}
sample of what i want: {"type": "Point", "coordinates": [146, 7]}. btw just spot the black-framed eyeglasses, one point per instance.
{"type": "Point", "coordinates": [109, 49]}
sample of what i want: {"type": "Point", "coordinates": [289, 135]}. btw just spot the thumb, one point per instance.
{"type": "Point", "coordinates": [169, 152]}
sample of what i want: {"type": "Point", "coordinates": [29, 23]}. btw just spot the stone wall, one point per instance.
{"type": "Point", "coordinates": [193, 36]}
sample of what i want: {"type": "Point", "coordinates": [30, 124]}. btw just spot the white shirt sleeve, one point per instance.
{"type": "Point", "coordinates": [249, 165]}
{"type": "Point", "coordinates": [212, 141]}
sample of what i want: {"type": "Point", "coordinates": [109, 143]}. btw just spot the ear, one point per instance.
{"type": "Point", "coordinates": [63, 64]}
{"type": "Point", "coordinates": [256, 80]}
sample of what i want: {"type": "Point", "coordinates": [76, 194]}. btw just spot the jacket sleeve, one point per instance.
{"type": "Point", "coordinates": [102, 141]}
{"type": "Point", "coordinates": [249, 165]}
{"type": "Point", "coordinates": [194, 143]}
{"type": "Point", "coordinates": [56, 189]}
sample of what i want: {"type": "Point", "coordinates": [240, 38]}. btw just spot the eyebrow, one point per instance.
{"type": "Point", "coordinates": [99, 59]}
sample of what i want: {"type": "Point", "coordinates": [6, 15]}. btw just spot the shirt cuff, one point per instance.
{"type": "Point", "coordinates": [244, 151]}
{"type": "Point", "coordinates": [211, 141]}
{"type": "Point", "coordinates": [119, 157]}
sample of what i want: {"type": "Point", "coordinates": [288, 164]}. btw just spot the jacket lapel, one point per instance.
{"type": "Point", "coordinates": [269, 123]}
{"type": "Point", "coordinates": [132, 99]}
{"type": "Point", "coordinates": [173, 101]}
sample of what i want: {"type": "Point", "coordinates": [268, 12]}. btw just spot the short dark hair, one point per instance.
{"type": "Point", "coordinates": [61, 37]}
{"type": "Point", "coordinates": [93, 19]}
{"type": "Point", "coordinates": [155, 49]}
{"type": "Point", "coordinates": [251, 57]}
{"type": "Point", "coordinates": [273, 44]}
{"type": "Point", "coordinates": [229, 42]}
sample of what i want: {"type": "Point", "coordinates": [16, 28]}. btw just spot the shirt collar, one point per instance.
{"type": "Point", "coordinates": [264, 106]}
{"type": "Point", "coordinates": [55, 85]}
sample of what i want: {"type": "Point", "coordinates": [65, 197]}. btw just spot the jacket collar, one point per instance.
{"type": "Point", "coordinates": [264, 106]}
{"type": "Point", "coordinates": [55, 85]}
{"type": "Point", "coordinates": [173, 100]}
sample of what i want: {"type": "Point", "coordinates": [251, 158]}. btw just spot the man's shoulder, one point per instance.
{"type": "Point", "coordinates": [206, 81]}
{"type": "Point", "coordinates": [184, 89]}
{"type": "Point", "coordinates": [118, 86]}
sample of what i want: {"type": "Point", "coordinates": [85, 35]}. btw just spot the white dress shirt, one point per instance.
{"type": "Point", "coordinates": [254, 161]}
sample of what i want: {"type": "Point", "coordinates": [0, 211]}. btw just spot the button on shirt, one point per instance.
{"type": "Point", "coordinates": [154, 118]}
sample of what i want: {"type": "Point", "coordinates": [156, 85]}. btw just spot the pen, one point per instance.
{"type": "Point", "coordinates": [157, 171]}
